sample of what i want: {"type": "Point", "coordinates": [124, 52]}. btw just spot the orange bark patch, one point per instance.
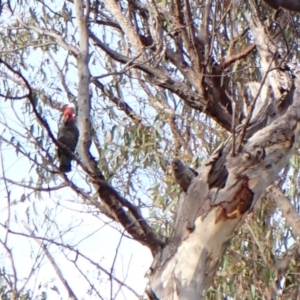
{"type": "Point", "coordinates": [240, 203]}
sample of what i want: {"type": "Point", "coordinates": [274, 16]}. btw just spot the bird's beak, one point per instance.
{"type": "Point", "coordinates": [65, 118]}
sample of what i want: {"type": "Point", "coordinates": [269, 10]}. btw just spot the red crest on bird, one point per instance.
{"type": "Point", "coordinates": [68, 113]}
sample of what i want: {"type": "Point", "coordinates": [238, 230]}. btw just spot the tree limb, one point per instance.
{"type": "Point", "coordinates": [193, 98]}
{"type": "Point", "coordinates": [292, 5]}
{"type": "Point", "coordinates": [285, 206]}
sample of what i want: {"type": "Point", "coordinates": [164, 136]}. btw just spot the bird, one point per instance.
{"type": "Point", "coordinates": [183, 174]}
{"type": "Point", "coordinates": [67, 135]}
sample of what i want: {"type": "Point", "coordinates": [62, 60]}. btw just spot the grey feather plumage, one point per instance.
{"type": "Point", "coordinates": [183, 174]}
{"type": "Point", "coordinates": [68, 134]}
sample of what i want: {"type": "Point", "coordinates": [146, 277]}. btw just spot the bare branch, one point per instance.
{"type": "Point", "coordinates": [233, 58]}
{"type": "Point", "coordinates": [292, 5]}
{"type": "Point", "coordinates": [127, 28]}
{"type": "Point", "coordinates": [53, 263]}
{"type": "Point", "coordinates": [112, 271]}
{"type": "Point", "coordinates": [59, 39]}
{"type": "Point", "coordinates": [71, 248]}
{"type": "Point", "coordinates": [158, 78]}
{"type": "Point", "coordinates": [120, 103]}
{"type": "Point", "coordinates": [35, 188]}
{"type": "Point", "coordinates": [252, 106]}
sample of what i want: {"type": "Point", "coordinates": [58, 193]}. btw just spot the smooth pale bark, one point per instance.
{"type": "Point", "coordinates": [210, 212]}
{"type": "Point", "coordinates": [285, 206]}
{"type": "Point", "coordinates": [84, 105]}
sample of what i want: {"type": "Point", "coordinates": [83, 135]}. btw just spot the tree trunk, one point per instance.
{"type": "Point", "coordinates": [217, 202]}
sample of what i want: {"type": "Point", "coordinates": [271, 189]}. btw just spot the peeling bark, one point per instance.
{"type": "Point", "coordinates": [207, 217]}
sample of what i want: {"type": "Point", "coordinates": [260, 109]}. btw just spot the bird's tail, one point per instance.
{"type": "Point", "coordinates": [65, 164]}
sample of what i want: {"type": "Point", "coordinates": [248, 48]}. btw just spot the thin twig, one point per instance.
{"type": "Point", "coordinates": [4, 243]}
{"type": "Point", "coordinates": [35, 188]}
{"type": "Point", "coordinates": [52, 261]}
{"type": "Point", "coordinates": [78, 253]}
{"type": "Point", "coordinates": [258, 244]}
{"type": "Point", "coordinates": [113, 264]}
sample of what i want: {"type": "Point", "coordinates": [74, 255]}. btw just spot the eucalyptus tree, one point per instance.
{"type": "Point", "coordinates": [214, 83]}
